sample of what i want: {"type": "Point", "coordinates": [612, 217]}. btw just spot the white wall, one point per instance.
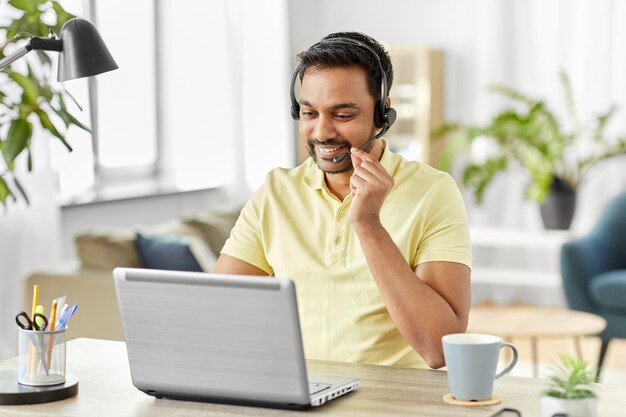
{"type": "Point", "coordinates": [443, 24]}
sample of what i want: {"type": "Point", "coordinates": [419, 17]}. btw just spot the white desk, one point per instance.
{"type": "Point", "coordinates": [106, 390]}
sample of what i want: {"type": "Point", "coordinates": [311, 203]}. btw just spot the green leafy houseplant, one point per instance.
{"type": "Point", "coordinates": [533, 137]}
{"type": "Point", "coordinates": [27, 97]}
{"type": "Point", "coordinates": [571, 379]}
{"type": "Point", "coordinates": [570, 392]}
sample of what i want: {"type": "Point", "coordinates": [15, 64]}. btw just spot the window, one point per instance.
{"type": "Point", "coordinates": [175, 108]}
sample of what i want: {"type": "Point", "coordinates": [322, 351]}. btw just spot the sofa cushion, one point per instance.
{"type": "Point", "coordinates": [166, 252]}
{"type": "Point", "coordinates": [107, 249]}
{"type": "Point", "coordinates": [608, 290]}
{"type": "Point", "coordinates": [213, 226]}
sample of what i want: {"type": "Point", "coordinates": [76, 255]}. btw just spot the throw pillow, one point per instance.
{"type": "Point", "coordinates": [165, 252]}
{"type": "Point", "coordinates": [213, 226]}
{"type": "Point", "coordinates": [107, 249]}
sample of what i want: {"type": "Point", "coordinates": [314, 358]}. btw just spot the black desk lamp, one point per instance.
{"type": "Point", "coordinates": [83, 52]}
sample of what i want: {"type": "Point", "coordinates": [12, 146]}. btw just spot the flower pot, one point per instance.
{"type": "Point", "coordinates": [557, 210]}
{"type": "Point", "coordinates": [584, 407]}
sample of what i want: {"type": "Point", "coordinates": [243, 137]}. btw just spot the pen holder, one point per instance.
{"type": "Point", "coordinates": [41, 357]}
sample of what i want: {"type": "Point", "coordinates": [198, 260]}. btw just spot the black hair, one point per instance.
{"type": "Point", "coordinates": [329, 54]}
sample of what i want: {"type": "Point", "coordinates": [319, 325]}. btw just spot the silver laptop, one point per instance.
{"type": "Point", "coordinates": [218, 338]}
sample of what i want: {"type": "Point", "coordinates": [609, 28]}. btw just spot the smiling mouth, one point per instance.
{"type": "Point", "coordinates": [329, 152]}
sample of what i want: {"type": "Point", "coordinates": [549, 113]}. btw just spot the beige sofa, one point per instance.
{"type": "Point", "coordinates": [88, 282]}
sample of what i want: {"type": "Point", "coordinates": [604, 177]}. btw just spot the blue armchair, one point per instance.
{"type": "Point", "coordinates": [594, 272]}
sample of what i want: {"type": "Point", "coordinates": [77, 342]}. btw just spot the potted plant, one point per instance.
{"type": "Point", "coordinates": [533, 137]}
{"type": "Point", "coordinates": [27, 98]}
{"type": "Point", "coordinates": [570, 392]}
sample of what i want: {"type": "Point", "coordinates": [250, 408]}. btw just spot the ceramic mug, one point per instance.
{"type": "Point", "coordinates": [472, 360]}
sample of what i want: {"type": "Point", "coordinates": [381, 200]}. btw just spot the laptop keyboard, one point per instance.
{"type": "Point", "coordinates": [314, 387]}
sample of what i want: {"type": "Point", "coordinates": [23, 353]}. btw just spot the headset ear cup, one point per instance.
{"type": "Point", "coordinates": [390, 116]}
{"type": "Point", "coordinates": [295, 111]}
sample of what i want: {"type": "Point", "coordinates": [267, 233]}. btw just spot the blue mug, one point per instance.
{"type": "Point", "coordinates": [471, 360]}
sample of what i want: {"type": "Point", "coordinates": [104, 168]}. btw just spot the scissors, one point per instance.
{"type": "Point", "coordinates": [26, 323]}
{"type": "Point", "coordinates": [40, 323]}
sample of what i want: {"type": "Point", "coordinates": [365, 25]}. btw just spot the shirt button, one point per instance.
{"type": "Point", "coordinates": [338, 240]}
{"type": "Point", "coordinates": [341, 213]}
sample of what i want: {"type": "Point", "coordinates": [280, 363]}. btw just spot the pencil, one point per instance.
{"type": "Point", "coordinates": [35, 300]}
{"type": "Point", "coordinates": [53, 315]}
{"type": "Point", "coordinates": [31, 356]}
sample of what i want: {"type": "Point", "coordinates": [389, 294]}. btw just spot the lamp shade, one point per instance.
{"type": "Point", "coordinates": [84, 53]}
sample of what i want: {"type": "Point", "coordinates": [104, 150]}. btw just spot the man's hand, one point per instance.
{"type": "Point", "coordinates": [370, 183]}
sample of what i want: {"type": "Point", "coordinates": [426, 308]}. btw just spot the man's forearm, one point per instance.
{"type": "Point", "coordinates": [421, 313]}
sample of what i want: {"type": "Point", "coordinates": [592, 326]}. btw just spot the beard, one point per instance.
{"type": "Point", "coordinates": [346, 164]}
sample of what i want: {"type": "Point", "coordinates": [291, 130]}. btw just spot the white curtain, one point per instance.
{"type": "Point", "coordinates": [225, 90]}
{"type": "Point", "coordinates": [524, 44]}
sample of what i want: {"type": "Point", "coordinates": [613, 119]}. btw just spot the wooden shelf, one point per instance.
{"type": "Point", "coordinates": [417, 94]}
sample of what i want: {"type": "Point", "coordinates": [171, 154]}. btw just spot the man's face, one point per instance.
{"type": "Point", "coordinates": [336, 113]}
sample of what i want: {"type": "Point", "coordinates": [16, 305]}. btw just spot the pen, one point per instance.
{"type": "Point", "coordinates": [61, 314]}
{"type": "Point", "coordinates": [67, 316]}
{"type": "Point", "coordinates": [60, 304]}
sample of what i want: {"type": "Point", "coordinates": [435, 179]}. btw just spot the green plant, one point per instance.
{"type": "Point", "coordinates": [534, 138]}
{"type": "Point", "coordinates": [28, 97]}
{"type": "Point", "coordinates": [571, 379]}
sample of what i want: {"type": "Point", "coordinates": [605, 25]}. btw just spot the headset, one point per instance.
{"type": "Point", "coordinates": [384, 116]}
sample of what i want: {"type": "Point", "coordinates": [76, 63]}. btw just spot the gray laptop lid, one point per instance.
{"type": "Point", "coordinates": [214, 337]}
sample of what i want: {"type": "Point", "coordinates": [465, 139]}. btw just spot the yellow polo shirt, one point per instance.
{"type": "Point", "coordinates": [293, 227]}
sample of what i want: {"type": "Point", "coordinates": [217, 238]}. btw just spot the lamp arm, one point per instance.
{"type": "Point", "coordinates": [44, 44]}
{"type": "Point", "coordinates": [8, 60]}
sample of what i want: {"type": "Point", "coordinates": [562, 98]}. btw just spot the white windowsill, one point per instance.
{"type": "Point", "coordinates": [129, 190]}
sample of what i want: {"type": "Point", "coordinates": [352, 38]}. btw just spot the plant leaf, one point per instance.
{"type": "Point", "coordinates": [68, 119]}
{"type": "Point", "coordinates": [21, 190]}
{"type": "Point", "coordinates": [19, 133]}
{"type": "Point", "coordinates": [569, 101]}
{"type": "Point", "coordinates": [43, 88]}
{"type": "Point", "coordinates": [601, 121]}
{"type": "Point", "coordinates": [5, 192]}
{"type": "Point", "coordinates": [62, 16]}
{"type": "Point", "coordinates": [44, 58]}
{"type": "Point", "coordinates": [29, 23]}
{"type": "Point", "coordinates": [26, 5]}
{"type": "Point", "coordinates": [31, 90]}
{"type": "Point", "coordinates": [479, 176]}
{"type": "Point", "coordinates": [510, 93]}
{"type": "Point", "coordinates": [47, 124]}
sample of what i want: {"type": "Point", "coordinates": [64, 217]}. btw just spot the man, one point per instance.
{"type": "Point", "coordinates": [378, 246]}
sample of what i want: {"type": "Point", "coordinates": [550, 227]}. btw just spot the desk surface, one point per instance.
{"type": "Point", "coordinates": [106, 390]}
{"type": "Point", "coordinates": [534, 322]}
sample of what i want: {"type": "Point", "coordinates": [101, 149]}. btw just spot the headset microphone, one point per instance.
{"type": "Point", "coordinates": [343, 156]}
